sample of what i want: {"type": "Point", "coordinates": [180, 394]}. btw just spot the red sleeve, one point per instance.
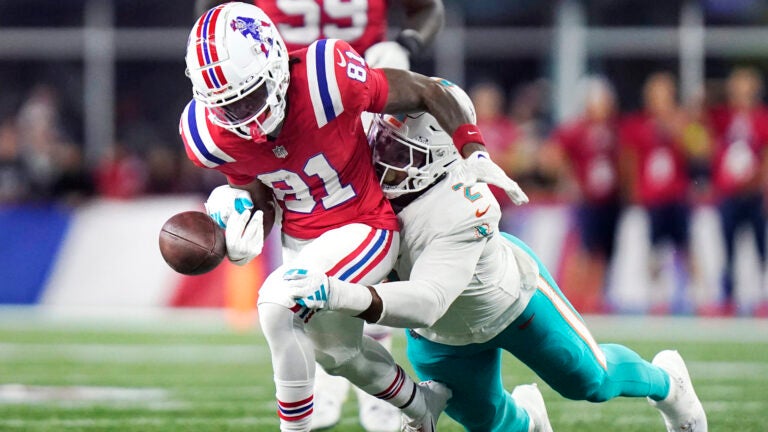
{"type": "Point", "coordinates": [210, 146]}
{"type": "Point", "coordinates": [190, 154]}
{"type": "Point", "coordinates": [361, 88]}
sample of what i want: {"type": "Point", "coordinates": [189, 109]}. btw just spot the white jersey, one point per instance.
{"type": "Point", "coordinates": [462, 282]}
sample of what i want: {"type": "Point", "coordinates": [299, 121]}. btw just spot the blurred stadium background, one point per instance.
{"type": "Point", "coordinates": [91, 165]}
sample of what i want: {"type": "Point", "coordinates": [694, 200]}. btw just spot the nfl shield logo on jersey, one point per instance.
{"type": "Point", "coordinates": [280, 152]}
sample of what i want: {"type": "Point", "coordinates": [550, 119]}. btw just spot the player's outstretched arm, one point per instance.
{"type": "Point", "coordinates": [437, 279]}
{"type": "Point", "coordinates": [412, 92]}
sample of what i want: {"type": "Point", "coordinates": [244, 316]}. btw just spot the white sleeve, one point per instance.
{"type": "Point", "coordinates": [440, 274]}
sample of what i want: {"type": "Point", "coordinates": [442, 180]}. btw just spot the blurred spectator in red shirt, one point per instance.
{"type": "Point", "coordinates": [528, 112]}
{"type": "Point", "coordinates": [739, 169]}
{"type": "Point", "coordinates": [656, 177]}
{"type": "Point", "coordinates": [584, 153]}
{"type": "Point", "coordinates": [697, 139]}
{"type": "Point", "coordinates": [499, 131]}
{"type": "Point", "coordinates": [121, 174]}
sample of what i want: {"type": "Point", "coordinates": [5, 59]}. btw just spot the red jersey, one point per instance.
{"type": "Point", "coordinates": [592, 149]}
{"type": "Point", "coordinates": [362, 23]}
{"type": "Point", "coordinates": [319, 167]}
{"type": "Point", "coordinates": [740, 141]}
{"type": "Point", "coordinates": [662, 175]}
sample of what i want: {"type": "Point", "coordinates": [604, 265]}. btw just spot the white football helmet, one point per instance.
{"type": "Point", "coordinates": [412, 151]}
{"type": "Point", "coordinates": [238, 64]}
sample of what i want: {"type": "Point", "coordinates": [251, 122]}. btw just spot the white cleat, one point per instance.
{"type": "Point", "coordinates": [377, 415]}
{"type": "Point", "coordinates": [681, 410]}
{"type": "Point", "coordinates": [326, 412]}
{"type": "Point", "coordinates": [529, 398]}
{"type": "Point", "coordinates": [330, 394]}
{"type": "Point", "coordinates": [436, 396]}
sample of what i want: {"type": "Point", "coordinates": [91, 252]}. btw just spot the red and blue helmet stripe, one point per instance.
{"type": "Point", "coordinates": [206, 49]}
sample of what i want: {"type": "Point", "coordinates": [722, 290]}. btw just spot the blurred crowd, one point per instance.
{"type": "Point", "coordinates": [665, 157]}
{"type": "Point", "coordinates": [40, 161]}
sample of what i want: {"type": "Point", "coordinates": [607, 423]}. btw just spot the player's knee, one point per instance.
{"type": "Point", "coordinates": [582, 383]}
{"type": "Point", "coordinates": [275, 321]}
{"type": "Point", "coordinates": [583, 387]}
{"type": "Point", "coordinates": [273, 291]}
{"type": "Point", "coordinates": [337, 364]}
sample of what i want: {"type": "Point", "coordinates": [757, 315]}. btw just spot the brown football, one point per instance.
{"type": "Point", "coordinates": [191, 243]}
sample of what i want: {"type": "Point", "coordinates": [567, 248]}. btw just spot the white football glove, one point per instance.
{"type": "Point", "coordinates": [316, 291]}
{"type": "Point", "coordinates": [311, 290]}
{"type": "Point", "coordinates": [224, 201]}
{"type": "Point", "coordinates": [244, 236]}
{"type": "Point", "coordinates": [387, 54]}
{"type": "Point", "coordinates": [480, 167]}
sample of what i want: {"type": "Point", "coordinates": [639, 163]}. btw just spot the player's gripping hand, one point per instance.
{"type": "Point", "coordinates": [387, 54]}
{"type": "Point", "coordinates": [225, 201]}
{"type": "Point", "coordinates": [316, 291]}
{"type": "Point", "coordinates": [245, 236]}
{"type": "Point", "coordinates": [311, 290]}
{"type": "Point", "coordinates": [480, 167]}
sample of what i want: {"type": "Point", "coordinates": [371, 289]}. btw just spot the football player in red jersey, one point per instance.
{"type": "Point", "coordinates": [656, 176]}
{"type": "Point", "coordinates": [287, 130]}
{"type": "Point", "coordinates": [363, 24]}
{"type": "Point", "coordinates": [739, 171]}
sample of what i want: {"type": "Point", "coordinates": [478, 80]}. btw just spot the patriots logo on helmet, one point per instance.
{"type": "Point", "coordinates": [251, 27]}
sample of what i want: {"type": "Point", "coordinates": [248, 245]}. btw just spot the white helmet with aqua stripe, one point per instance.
{"type": "Point", "coordinates": [238, 65]}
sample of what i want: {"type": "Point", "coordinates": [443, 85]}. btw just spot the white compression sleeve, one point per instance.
{"type": "Point", "coordinates": [436, 280]}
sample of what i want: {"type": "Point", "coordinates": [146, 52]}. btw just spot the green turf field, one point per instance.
{"type": "Point", "coordinates": [196, 375]}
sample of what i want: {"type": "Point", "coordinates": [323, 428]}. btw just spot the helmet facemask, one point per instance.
{"type": "Point", "coordinates": [260, 108]}
{"type": "Point", "coordinates": [409, 155]}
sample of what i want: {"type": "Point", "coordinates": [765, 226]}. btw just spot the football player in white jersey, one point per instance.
{"type": "Point", "coordinates": [470, 291]}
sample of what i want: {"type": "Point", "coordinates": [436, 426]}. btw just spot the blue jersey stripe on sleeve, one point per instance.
{"type": "Point", "coordinates": [192, 121]}
{"type": "Point", "coordinates": [325, 95]}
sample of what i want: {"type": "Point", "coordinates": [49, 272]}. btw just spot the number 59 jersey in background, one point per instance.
{"type": "Point", "coordinates": [362, 23]}
{"type": "Point", "coordinates": [319, 166]}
